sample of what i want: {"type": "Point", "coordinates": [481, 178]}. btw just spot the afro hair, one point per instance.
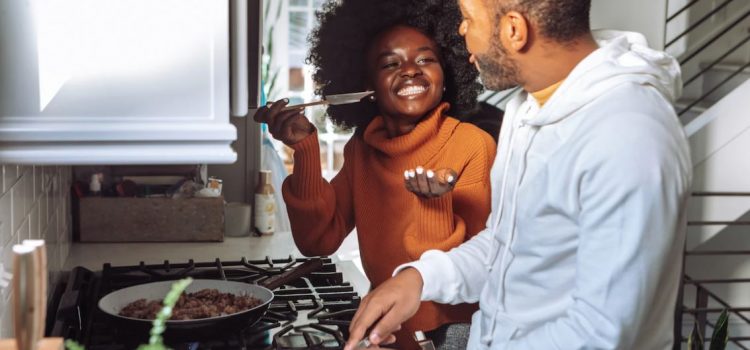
{"type": "Point", "coordinates": [347, 27]}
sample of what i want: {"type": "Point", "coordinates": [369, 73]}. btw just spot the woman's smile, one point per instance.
{"type": "Point", "coordinates": [412, 89]}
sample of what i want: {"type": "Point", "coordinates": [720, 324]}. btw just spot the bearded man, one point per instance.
{"type": "Point", "coordinates": [583, 248]}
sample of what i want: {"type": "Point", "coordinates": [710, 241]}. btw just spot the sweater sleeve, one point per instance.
{"type": "Point", "coordinates": [449, 220]}
{"type": "Point", "coordinates": [320, 213]}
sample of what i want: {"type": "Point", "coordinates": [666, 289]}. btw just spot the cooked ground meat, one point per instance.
{"type": "Point", "coordinates": [201, 304]}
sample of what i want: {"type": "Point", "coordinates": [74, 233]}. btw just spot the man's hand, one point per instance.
{"type": "Point", "coordinates": [288, 126]}
{"type": "Point", "coordinates": [428, 183]}
{"type": "Point", "coordinates": [392, 303]}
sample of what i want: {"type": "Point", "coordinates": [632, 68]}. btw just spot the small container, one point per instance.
{"type": "Point", "coordinates": [237, 219]}
{"type": "Point", "coordinates": [95, 185]}
{"type": "Point", "coordinates": [215, 184]}
{"type": "Point", "coordinates": [265, 205]}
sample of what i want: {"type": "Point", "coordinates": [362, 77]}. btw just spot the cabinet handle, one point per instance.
{"type": "Point", "coordinates": [238, 11]}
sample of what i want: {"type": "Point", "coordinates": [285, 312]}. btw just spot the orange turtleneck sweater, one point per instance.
{"type": "Point", "coordinates": [394, 225]}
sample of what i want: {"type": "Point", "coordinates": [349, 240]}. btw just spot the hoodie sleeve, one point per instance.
{"type": "Point", "coordinates": [457, 276]}
{"type": "Point", "coordinates": [633, 183]}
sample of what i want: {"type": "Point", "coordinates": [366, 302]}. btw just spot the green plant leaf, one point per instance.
{"type": "Point", "coordinates": [155, 341]}
{"type": "Point", "coordinates": [695, 340]}
{"type": "Point", "coordinates": [71, 344]}
{"type": "Point", "coordinates": [271, 83]}
{"type": "Point", "coordinates": [720, 336]}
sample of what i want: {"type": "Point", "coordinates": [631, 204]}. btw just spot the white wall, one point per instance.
{"type": "Point", "coordinates": [34, 204]}
{"type": "Point", "coordinates": [644, 16]}
{"type": "Point", "coordinates": [719, 140]}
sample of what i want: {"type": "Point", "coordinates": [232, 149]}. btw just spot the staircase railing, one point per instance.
{"type": "Point", "coordinates": [703, 296]}
{"type": "Point", "coordinates": [707, 302]}
{"type": "Point", "coordinates": [701, 310]}
{"type": "Point", "coordinates": [707, 42]}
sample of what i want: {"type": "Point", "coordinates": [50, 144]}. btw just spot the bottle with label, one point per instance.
{"type": "Point", "coordinates": [265, 205]}
{"type": "Point", "coordinates": [95, 185]}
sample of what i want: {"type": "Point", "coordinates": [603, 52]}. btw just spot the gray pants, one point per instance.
{"type": "Point", "coordinates": [450, 336]}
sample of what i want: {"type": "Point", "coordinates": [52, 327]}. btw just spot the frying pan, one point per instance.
{"type": "Point", "coordinates": [112, 303]}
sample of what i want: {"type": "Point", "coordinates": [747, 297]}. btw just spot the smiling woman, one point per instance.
{"type": "Point", "coordinates": [414, 178]}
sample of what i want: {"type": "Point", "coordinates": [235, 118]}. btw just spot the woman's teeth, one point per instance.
{"type": "Point", "coordinates": [412, 90]}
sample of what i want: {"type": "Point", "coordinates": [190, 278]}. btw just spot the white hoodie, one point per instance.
{"type": "Point", "coordinates": [583, 249]}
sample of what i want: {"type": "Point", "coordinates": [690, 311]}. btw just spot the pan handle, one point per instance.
{"type": "Point", "coordinates": [300, 271]}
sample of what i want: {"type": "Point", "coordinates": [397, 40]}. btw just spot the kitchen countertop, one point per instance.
{"type": "Point", "coordinates": [279, 245]}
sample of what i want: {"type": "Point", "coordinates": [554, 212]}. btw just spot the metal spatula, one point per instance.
{"type": "Point", "coordinates": [340, 99]}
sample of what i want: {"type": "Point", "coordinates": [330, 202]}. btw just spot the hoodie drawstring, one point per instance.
{"type": "Point", "coordinates": [494, 249]}
{"type": "Point", "coordinates": [486, 338]}
{"type": "Point", "coordinates": [514, 217]}
{"type": "Point", "coordinates": [500, 293]}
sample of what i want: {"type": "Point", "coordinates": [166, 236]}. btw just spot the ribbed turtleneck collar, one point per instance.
{"type": "Point", "coordinates": [419, 145]}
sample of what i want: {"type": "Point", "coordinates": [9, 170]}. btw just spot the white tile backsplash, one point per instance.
{"type": "Point", "coordinates": [16, 207]}
{"type": "Point", "coordinates": [28, 192]}
{"type": "Point", "coordinates": [43, 210]}
{"type": "Point", "coordinates": [5, 323]}
{"type": "Point", "coordinates": [23, 231]}
{"type": "Point", "coordinates": [6, 215]}
{"type": "Point", "coordinates": [9, 177]}
{"type": "Point", "coordinates": [34, 203]}
{"type": "Point", "coordinates": [7, 261]}
{"type": "Point", "coordinates": [38, 180]}
{"type": "Point", "coordinates": [34, 232]}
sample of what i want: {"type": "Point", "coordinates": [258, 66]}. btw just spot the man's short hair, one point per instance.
{"type": "Point", "coordinates": [559, 20]}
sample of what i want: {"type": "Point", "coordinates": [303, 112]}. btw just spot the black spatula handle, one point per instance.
{"type": "Point", "coordinates": [305, 269]}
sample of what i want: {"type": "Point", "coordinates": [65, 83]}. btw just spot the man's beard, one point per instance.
{"type": "Point", "coordinates": [497, 71]}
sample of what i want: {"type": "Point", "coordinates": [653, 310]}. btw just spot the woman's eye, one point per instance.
{"type": "Point", "coordinates": [390, 65]}
{"type": "Point", "coordinates": [426, 60]}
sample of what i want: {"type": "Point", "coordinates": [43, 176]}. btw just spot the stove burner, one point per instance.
{"type": "Point", "coordinates": [312, 336]}
{"type": "Point", "coordinates": [309, 313]}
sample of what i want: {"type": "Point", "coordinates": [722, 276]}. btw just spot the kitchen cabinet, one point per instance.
{"type": "Point", "coordinates": [119, 81]}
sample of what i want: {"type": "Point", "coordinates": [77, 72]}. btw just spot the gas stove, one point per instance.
{"type": "Point", "coordinates": [312, 312]}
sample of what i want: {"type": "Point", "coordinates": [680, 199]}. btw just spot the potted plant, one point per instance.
{"type": "Point", "coordinates": [719, 338]}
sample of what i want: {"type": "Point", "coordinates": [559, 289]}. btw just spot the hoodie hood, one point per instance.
{"type": "Point", "coordinates": [622, 57]}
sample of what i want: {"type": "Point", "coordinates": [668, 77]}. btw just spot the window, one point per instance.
{"type": "Point", "coordinates": [286, 74]}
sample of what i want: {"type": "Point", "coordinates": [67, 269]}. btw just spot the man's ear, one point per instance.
{"type": "Point", "coordinates": [514, 31]}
